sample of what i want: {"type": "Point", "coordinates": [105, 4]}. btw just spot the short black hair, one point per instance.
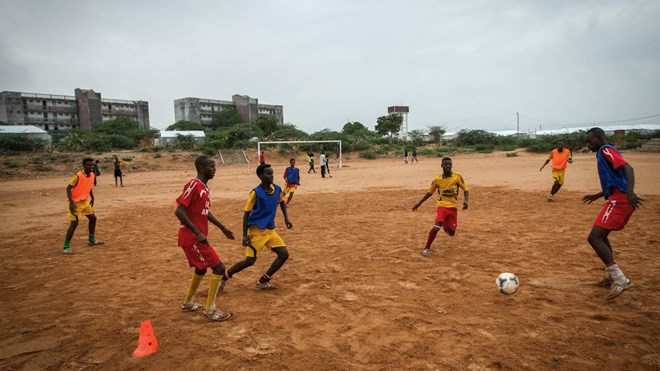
{"type": "Point", "coordinates": [446, 158]}
{"type": "Point", "coordinates": [201, 161]}
{"type": "Point", "coordinates": [598, 131]}
{"type": "Point", "coordinates": [261, 168]}
{"type": "Point", "coordinates": [87, 159]}
{"type": "Point", "coordinates": [293, 159]}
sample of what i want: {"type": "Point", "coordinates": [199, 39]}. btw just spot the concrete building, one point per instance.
{"type": "Point", "coordinates": [201, 110]}
{"type": "Point", "coordinates": [62, 112]}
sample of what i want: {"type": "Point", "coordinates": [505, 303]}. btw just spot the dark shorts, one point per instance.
{"type": "Point", "coordinates": [117, 173]}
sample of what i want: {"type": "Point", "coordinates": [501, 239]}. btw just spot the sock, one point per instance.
{"type": "Point", "coordinates": [213, 291]}
{"type": "Point", "coordinates": [67, 244]}
{"type": "Point", "coordinates": [265, 278]}
{"type": "Point", "coordinates": [92, 238]}
{"type": "Point", "coordinates": [192, 288]}
{"type": "Point", "coordinates": [616, 273]}
{"type": "Point", "coordinates": [432, 233]}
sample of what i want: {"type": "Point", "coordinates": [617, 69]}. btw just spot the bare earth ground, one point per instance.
{"type": "Point", "coordinates": [356, 292]}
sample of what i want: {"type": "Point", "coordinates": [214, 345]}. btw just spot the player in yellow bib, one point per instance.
{"type": "Point", "coordinates": [560, 158]}
{"type": "Point", "coordinates": [81, 200]}
{"type": "Point", "coordinates": [446, 215]}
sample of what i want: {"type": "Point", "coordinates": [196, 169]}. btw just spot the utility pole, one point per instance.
{"type": "Point", "coordinates": [517, 124]}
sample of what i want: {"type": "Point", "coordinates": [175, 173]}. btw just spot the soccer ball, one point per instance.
{"type": "Point", "coordinates": [507, 283]}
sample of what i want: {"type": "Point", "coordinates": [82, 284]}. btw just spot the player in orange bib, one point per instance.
{"type": "Point", "coordinates": [81, 200]}
{"type": "Point", "coordinates": [560, 158]}
{"type": "Point", "coordinates": [446, 215]}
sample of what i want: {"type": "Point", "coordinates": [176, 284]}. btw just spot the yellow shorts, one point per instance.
{"type": "Point", "coordinates": [290, 189]}
{"type": "Point", "coordinates": [82, 208]}
{"type": "Point", "coordinates": [260, 238]}
{"type": "Point", "coordinates": [558, 176]}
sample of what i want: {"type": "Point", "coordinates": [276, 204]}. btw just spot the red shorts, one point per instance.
{"type": "Point", "coordinates": [200, 255]}
{"type": "Point", "coordinates": [615, 213]}
{"type": "Point", "coordinates": [448, 217]}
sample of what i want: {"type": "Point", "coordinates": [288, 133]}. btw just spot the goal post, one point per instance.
{"type": "Point", "coordinates": [339, 164]}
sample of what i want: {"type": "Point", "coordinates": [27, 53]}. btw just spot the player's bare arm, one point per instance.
{"type": "Point", "coordinates": [72, 205]}
{"type": "Point", "coordinates": [286, 215]}
{"type": "Point", "coordinates": [246, 238]}
{"type": "Point", "coordinates": [183, 218]}
{"type": "Point", "coordinates": [91, 197]}
{"type": "Point", "coordinates": [634, 201]}
{"type": "Point", "coordinates": [417, 205]}
{"type": "Point", "coordinates": [229, 234]}
{"type": "Point", "coordinates": [592, 197]}
{"type": "Point", "coordinates": [466, 195]}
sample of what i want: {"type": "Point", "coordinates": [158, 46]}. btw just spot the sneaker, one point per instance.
{"type": "Point", "coordinates": [426, 252]}
{"type": "Point", "coordinates": [67, 251]}
{"type": "Point", "coordinates": [605, 281]}
{"type": "Point", "coordinates": [549, 198]}
{"type": "Point", "coordinates": [264, 286]}
{"type": "Point", "coordinates": [618, 288]}
{"type": "Point", "coordinates": [95, 243]}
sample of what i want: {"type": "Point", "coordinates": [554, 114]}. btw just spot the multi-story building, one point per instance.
{"type": "Point", "coordinates": [201, 110]}
{"type": "Point", "coordinates": [62, 112]}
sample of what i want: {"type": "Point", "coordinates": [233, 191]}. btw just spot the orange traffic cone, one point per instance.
{"type": "Point", "coordinates": [147, 343]}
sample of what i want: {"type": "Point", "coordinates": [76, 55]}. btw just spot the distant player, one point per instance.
{"type": "Point", "coordinates": [259, 227]}
{"type": "Point", "coordinates": [118, 174]}
{"type": "Point", "coordinates": [193, 211]}
{"type": "Point", "coordinates": [292, 180]}
{"type": "Point", "coordinates": [560, 158]}
{"type": "Point", "coordinates": [81, 202]}
{"type": "Point", "coordinates": [446, 215]}
{"type": "Point", "coordinates": [414, 156]}
{"type": "Point", "coordinates": [262, 158]}
{"type": "Point", "coordinates": [617, 180]}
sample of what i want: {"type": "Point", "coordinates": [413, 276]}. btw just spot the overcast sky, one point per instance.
{"type": "Point", "coordinates": [459, 64]}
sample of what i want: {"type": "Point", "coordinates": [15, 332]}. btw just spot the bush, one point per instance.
{"type": "Point", "coordinates": [369, 155]}
{"type": "Point", "coordinates": [21, 143]}
{"type": "Point", "coordinates": [483, 148]}
{"type": "Point", "coordinates": [10, 164]}
{"type": "Point", "coordinates": [466, 138]}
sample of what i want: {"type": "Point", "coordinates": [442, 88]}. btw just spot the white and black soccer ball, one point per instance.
{"type": "Point", "coordinates": [507, 283]}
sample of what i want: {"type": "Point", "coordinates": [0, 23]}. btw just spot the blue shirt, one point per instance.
{"type": "Point", "coordinates": [265, 207]}
{"type": "Point", "coordinates": [610, 170]}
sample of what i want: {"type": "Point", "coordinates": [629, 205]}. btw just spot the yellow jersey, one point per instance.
{"type": "Point", "coordinates": [448, 189]}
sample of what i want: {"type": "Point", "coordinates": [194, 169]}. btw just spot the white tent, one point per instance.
{"type": "Point", "coordinates": [169, 136]}
{"type": "Point", "coordinates": [30, 131]}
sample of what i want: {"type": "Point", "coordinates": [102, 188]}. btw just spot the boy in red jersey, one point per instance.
{"type": "Point", "coordinates": [78, 191]}
{"type": "Point", "coordinates": [193, 211]}
{"type": "Point", "coordinates": [617, 180]}
{"type": "Point", "coordinates": [560, 156]}
{"type": "Point", "coordinates": [292, 180]}
{"type": "Point", "coordinates": [259, 227]}
{"type": "Point", "coordinates": [446, 216]}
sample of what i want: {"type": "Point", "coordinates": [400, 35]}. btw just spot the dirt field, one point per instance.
{"type": "Point", "coordinates": [356, 292]}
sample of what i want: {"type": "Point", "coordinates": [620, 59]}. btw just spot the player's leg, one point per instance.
{"type": "Point", "coordinates": [188, 304]}
{"type": "Point", "coordinates": [69, 235]}
{"type": "Point", "coordinates": [432, 234]}
{"type": "Point", "coordinates": [277, 245]}
{"type": "Point", "coordinates": [251, 253]}
{"type": "Point", "coordinates": [450, 222]}
{"type": "Point", "coordinates": [599, 242]}
{"type": "Point", "coordinates": [214, 285]}
{"type": "Point", "coordinates": [121, 179]}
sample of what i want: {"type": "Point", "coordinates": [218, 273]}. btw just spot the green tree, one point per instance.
{"type": "Point", "coordinates": [289, 131]}
{"type": "Point", "coordinates": [417, 137]}
{"type": "Point", "coordinates": [185, 125]}
{"type": "Point", "coordinates": [226, 118]}
{"type": "Point", "coordinates": [353, 127]}
{"type": "Point", "coordinates": [127, 127]}
{"type": "Point", "coordinates": [185, 142]}
{"type": "Point", "coordinates": [389, 125]}
{"type": "Point", "coordinates": [466, 138]}
{"type": "Point", "coordinates": [436, 133]}
{"type": "Point", "coordinates": [267, 124]}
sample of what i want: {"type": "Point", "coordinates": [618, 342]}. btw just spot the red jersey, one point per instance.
{"type": "Point", "coordinates": [197, 200]}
